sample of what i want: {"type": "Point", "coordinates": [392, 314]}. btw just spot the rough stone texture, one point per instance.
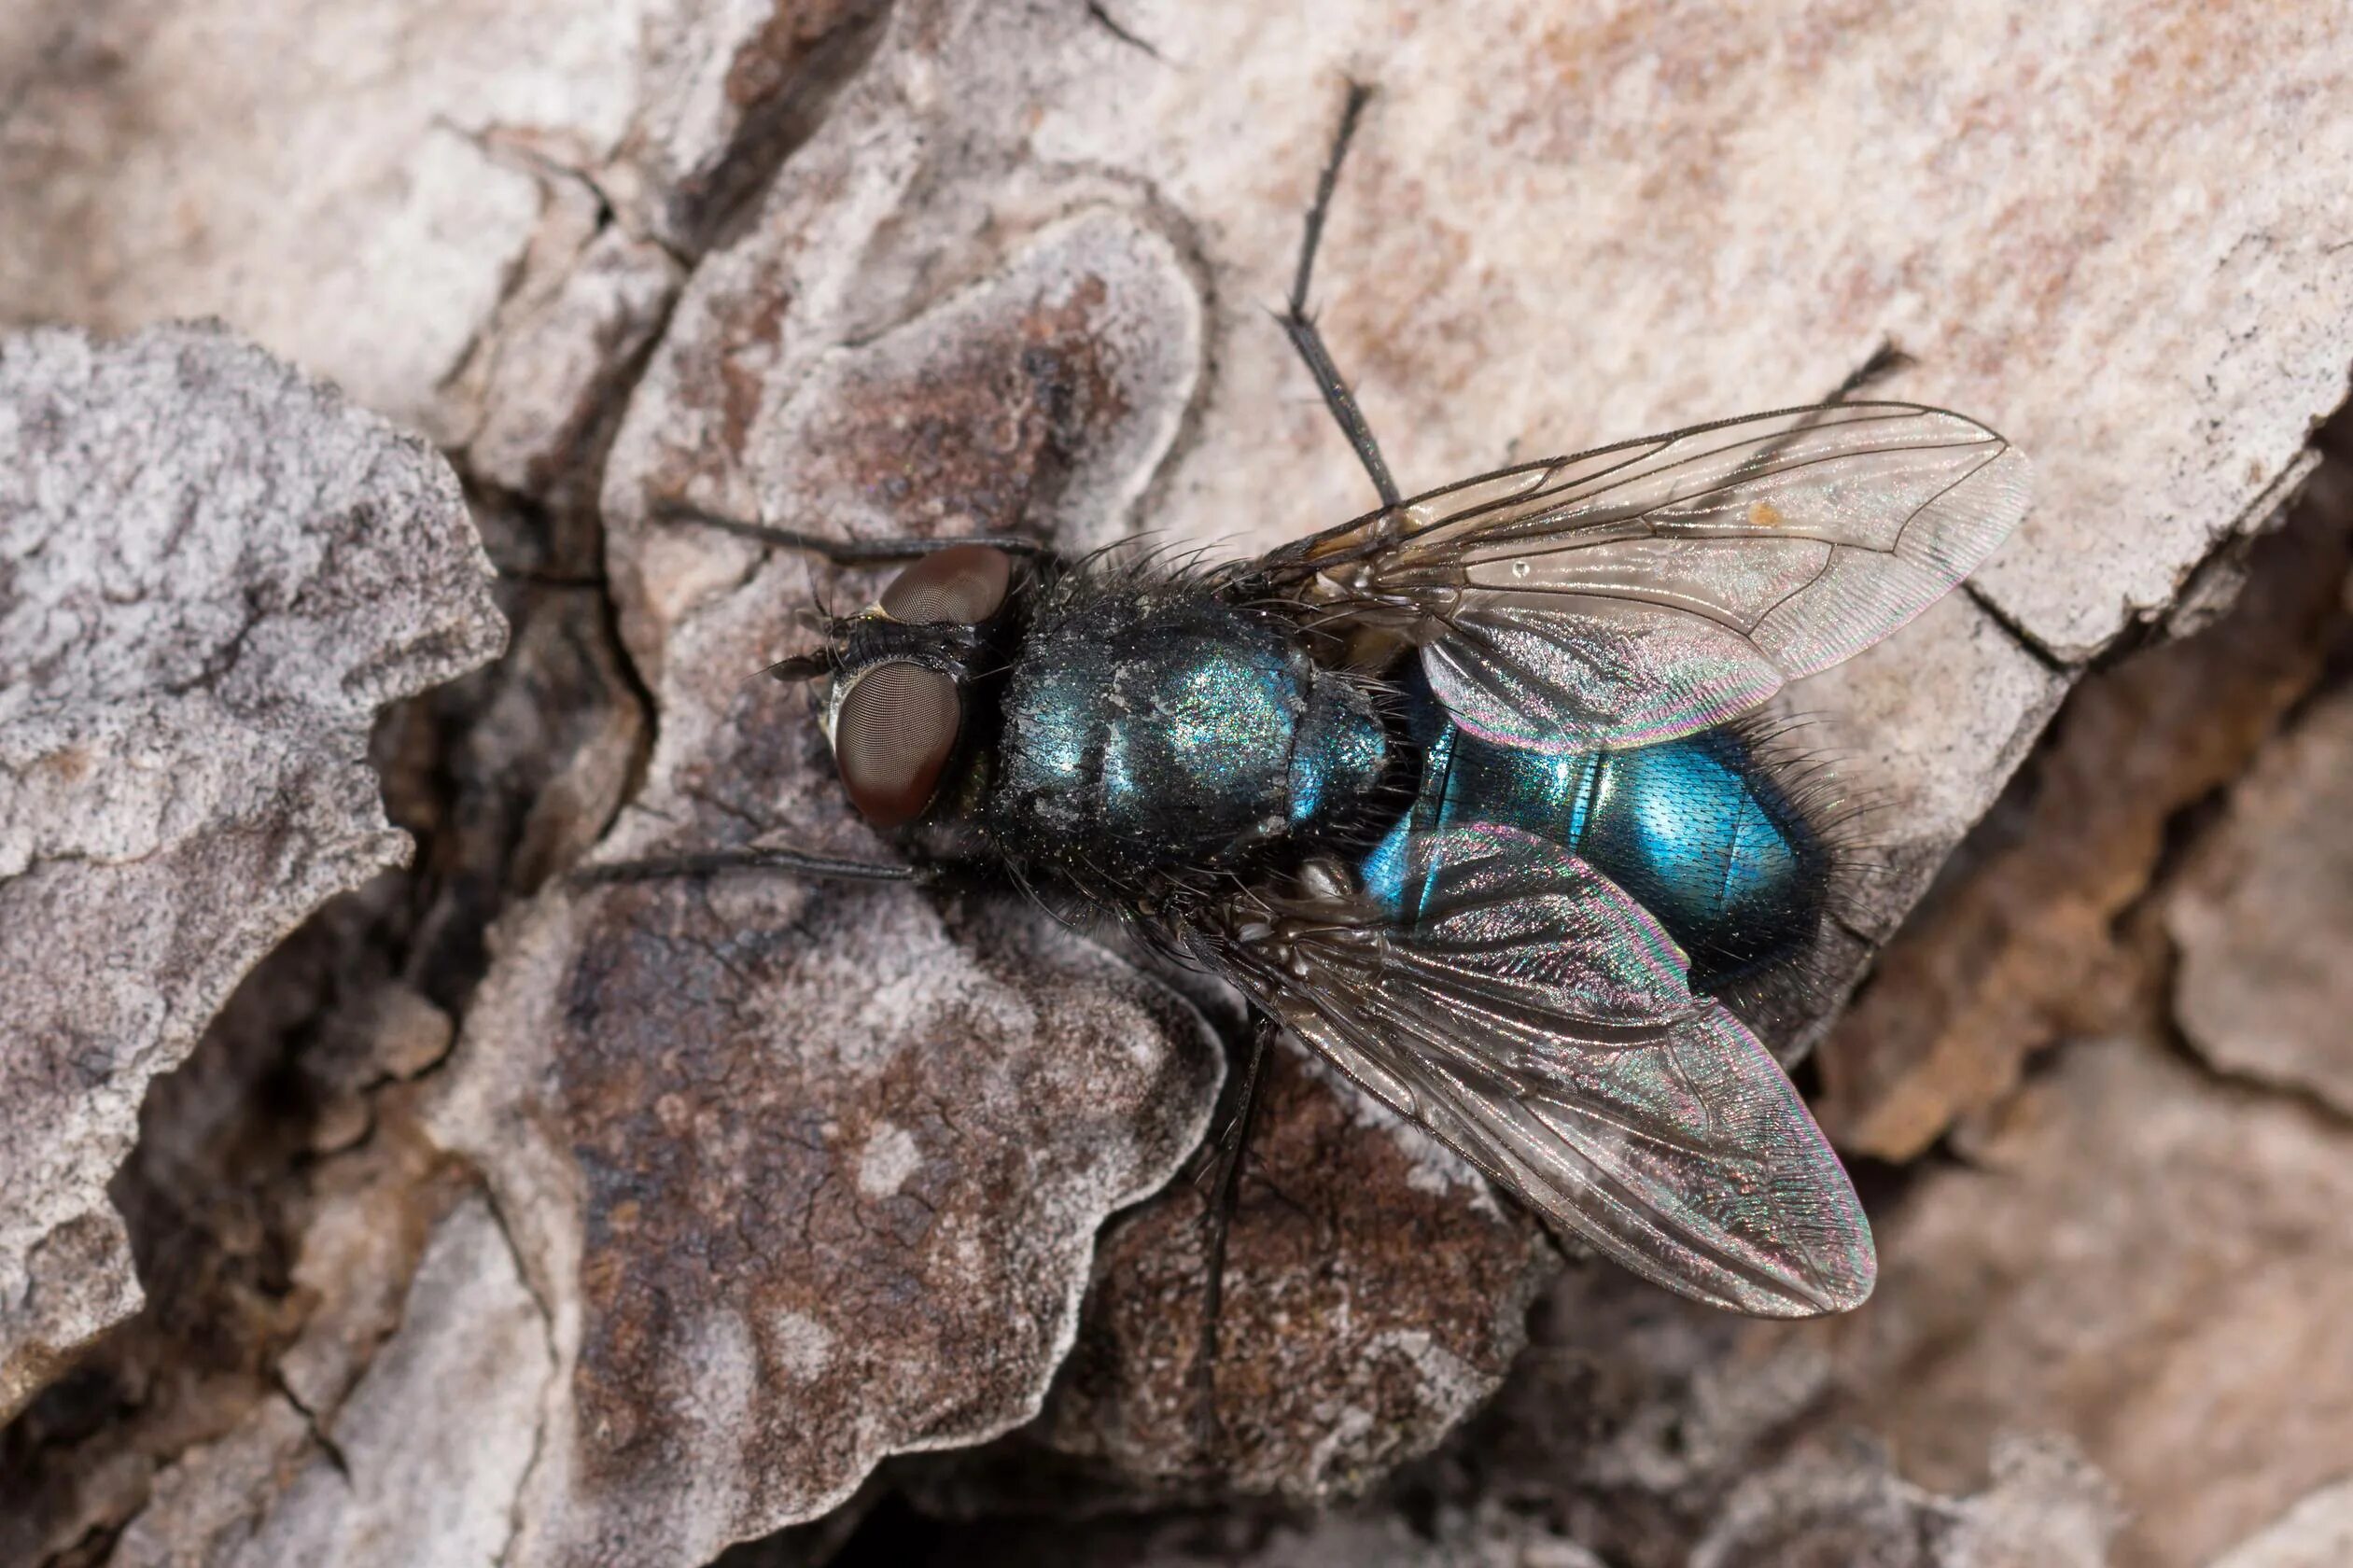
{"type": "Point", "coordinates": [2261, 918]}
{"type": "Point", "coordinates": [215, 571]}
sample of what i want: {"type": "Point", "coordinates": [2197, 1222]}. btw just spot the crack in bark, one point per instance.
{"type": "Point", "coordinates": [2035, 648]}
{"type": "Point", "coordinates": [311, 1419]}
{"type": "Point", "coordinates": [515, 1520]}
{"type": "Point", "coordinates": [1109, 25]}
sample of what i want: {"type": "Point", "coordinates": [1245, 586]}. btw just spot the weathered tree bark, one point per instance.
{"type": "Point", "coordinates": [496, 1218]}
{"type": "Point", "coordinates": [216, 570]}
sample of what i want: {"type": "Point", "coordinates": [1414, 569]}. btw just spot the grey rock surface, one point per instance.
{"type": "Point", "coordinates": [215, 573]}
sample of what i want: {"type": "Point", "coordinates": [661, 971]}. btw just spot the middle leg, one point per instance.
{"type": "Point", "coordinates": [1217, 1219]}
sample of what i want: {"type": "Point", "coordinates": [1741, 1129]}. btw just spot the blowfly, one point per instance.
{"type": "Point", "coordinates": [1456, 793]}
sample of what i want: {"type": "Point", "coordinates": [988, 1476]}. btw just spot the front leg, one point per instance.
{"type": "Point", "coordinates": [842, 553]}
{"type": "Point", "coordinates": [791, 862]}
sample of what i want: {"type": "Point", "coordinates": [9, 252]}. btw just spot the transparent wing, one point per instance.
{"type": "Point", "coordinates": [1649, 590]}
{"type": "Point", "coordinates": [1537, 1021]}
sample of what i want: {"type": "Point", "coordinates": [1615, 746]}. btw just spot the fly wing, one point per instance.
{"type": "Point", "coordinates": [1648, 590]}
{"type": "Point", "coordinates": [1538, 1021]}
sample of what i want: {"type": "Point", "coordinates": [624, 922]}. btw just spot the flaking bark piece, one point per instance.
{"type": "Point", "coordinates": [376, 1484]}
{"type": "Point", "coordinates": [808, 1175]}
{"type": "Point", "coordinates": [2147, 1259]}
{"type": "Point", "coordinates": [213, 571]}
{"type": "Point", "coordinates": [2031, 941]}
{"type": "Point", "coordinates": [1376, 1290]}
{"type": "Point", "coordinates": [2264, 912]}
{"type": "Point", "coordinates": [389, 195]}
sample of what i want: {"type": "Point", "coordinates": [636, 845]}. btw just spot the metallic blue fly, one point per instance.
{"type": "Point", "coordinates": [1455, 792]}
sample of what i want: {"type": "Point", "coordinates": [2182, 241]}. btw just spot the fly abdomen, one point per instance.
{"type": "Point", "coordinates": [1702, 835]}
{"type": "Point", "coordinates": [1697, 830]}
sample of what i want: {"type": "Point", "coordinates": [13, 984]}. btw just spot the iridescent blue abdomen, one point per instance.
{"type": "Point", "coordinates": [1697, 830]}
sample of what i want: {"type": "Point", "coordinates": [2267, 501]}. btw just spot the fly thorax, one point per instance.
{"type": "Point", "coordinates": [1171, 735]}
{"type": "Point", "coordinates": [1339, 754]}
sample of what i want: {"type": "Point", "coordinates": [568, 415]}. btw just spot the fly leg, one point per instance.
{"type": "Point", "coordinates": [842, 553]}
{"type": "Point", "coordinates": [1301, 326]}
{"type": "Point", "coordinates": [792, 862]}
{"type": "Point", "coordinates": [1885, 360]}
{"type": "Point", "coordinates": [1217, 1219]}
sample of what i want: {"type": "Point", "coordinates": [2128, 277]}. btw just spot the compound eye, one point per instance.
{"type": "Point", "coordinates": [892, 733]}
{"type": "Point", "coordinates": [962, 586]}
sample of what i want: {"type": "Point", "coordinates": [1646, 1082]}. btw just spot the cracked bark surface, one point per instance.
{"type": "Point", "coordinates": [215, 571]}
{"type": "Point", "coordinates": [2263, 985]}
{"type": "Point", "coordinates": [948, 267]}
{"type": "Point", "coordinates": [2035, 936]}
{"type": "Point", "coordinates": [371, 190]}
{"type": "Point", "coordinates": [2042, 1506]}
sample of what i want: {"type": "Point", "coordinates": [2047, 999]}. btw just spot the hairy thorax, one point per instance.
{"type": "Point", "coordinates": [1159, 729]}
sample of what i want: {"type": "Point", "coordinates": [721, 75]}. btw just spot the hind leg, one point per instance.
{"type": "Point", "coordinates": [1301, 327]}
